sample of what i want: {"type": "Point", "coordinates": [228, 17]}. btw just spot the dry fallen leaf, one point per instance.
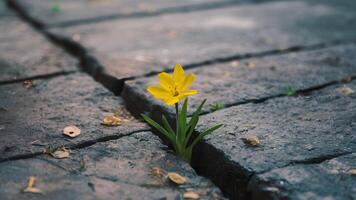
{"type": "Point", "coordinates": [176, 178]}
{"type": "Point", "coordinates": [191, 195]}
{"type": "Point", "coordinates": [111, 120]}
{"type": "Point", "coordinates": [352, 172]}
{"type": "Point", "coordinates": [251, 64]}
{"type": "Point", "coordinates": [271, 189]}
{"type": "Point", "coordinates": [28, 84]}
{"type": "Point", "coordinates": [71, 131]}
{"type": "Point", "coordinates": [61, 153]}
{"type": "Point", "coordinates": [156, 171]}
{"type": "Point", "coordinates": [30, 186]}
{"type": "Point", "coordinates": [346, 91]}
{"type": "Point", "coordinates": [251, 141]}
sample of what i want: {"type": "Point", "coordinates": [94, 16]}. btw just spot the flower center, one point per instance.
{"type": "Point", "coordinates": [175, 91]}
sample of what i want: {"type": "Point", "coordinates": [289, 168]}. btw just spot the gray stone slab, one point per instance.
{"type": "Point", "coordinates": [134, 47]}
{"type": "Point", "coordinates": [25, 53]}
{"type": "Point", "coordinates": [57, 13]}
{"type": "Point", "coordinates": [4, 10]}
{"type": "Point", "coordinates": [303, 129]}
{"type": "Point", "coordinates": [33, 119]}
{"type": "Point", "coordinates": [328, 180]}
{"type": "Point", "coordinates": [252, 79]}
{"type": "Point", "coordinates": [118, 169]}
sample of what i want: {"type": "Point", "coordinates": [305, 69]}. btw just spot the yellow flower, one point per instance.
{"type": "Point", "coordinates": [174, 87]}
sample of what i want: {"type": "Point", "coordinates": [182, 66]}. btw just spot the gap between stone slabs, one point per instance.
{"type": "Point", "coordinates": [134, 167]}
{"type": "Point", "coordinates": [252, 80]}
{"type": "Point", "coordinates": [144, 46]}
{"type": "Point", "coordinates": [292, 130]}
{"type": "Point", "coordinates": [70, 13]}
{"type": "Point", "coordinates": [95, 66]}
{"type": "Point", "coordinates": [33, 118]}
{"type": "Point", "coordinates": [317, 71]}
{"type": "Point", "coordinates": [329, 179]}
{"type": "Point", "coordinates": [19, 60]}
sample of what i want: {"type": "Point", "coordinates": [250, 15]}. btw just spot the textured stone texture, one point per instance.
{"type": "Point", "coordinates": [328, 180]}
{"type": "Point", "coordinates": [303, 129]}
{"type": "Point", "coordinates": [33, 119]}
{"type": "Point", "coordinates": [26, 53]}
{"type": "Point", "coordinates": [134, 47]}
{"type": "Point", "coordinates": [54, 13]}
{"type": "Point", "coordinates": [4, 10]}
{"type": "Point", "coordinates": [118, 169]}
{"type": "Point", "coordinates": [236, 82]}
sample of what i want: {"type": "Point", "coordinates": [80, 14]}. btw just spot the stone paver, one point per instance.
{"type": "Point", "coordinates": [328, 180]}
{"type": "Point", "coordinates": [26, 53]}
{"type": "Point", "coordinates": [301, 129]}
{"type": "Point", "coordinates": [252, 79]}
{"type": "Point", "coordinates": [57, 13]}
{"type": "Point", "coordinates": [4, 10]}
{"type": "Point", "coordinates": [118, 169]}
{"type": "Point", "coordinates": [299, 135]}
{"type": "Point", "coordinates": [134, 47]}
{"type": "Point", "coordinates": [33, 119]}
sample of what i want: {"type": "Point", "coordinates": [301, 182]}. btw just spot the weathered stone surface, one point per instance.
{"type": "Point", "coordinates": [134, 47]}
{"type": "Point", "coordinates": [301, 129]}
{"type": "Point", "coordinates": [118, 169]}
{"type": "Point", "coordinates": [4, 10]}
{"type": "Point", "coordinates": [26, 53]}
{"type": "Point", "coordinates": [54, 13]}
{"type": "Point", "coordinates": [252, 79]}
{"type": "Point", "coordinates": [33, 119]}
{"type": "Point", "coordinates": [328, 180]}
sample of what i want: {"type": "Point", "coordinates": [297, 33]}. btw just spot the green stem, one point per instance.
{"type": "Point", "coordinates": [177, 130]}
{"type": "Point", "coordinates": [177, 113]}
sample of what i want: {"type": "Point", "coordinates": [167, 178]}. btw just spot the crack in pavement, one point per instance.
{"type": "Point", "coordinates": [79, 145]}
{"type": "Point", "coordinates": [93, 67]}
{"type": "Point", "coordinates": [302, 92]}
{"type": "Point", "coordinates": [44, 76]}
{"type": "Point", "coordinates": [137, 14]}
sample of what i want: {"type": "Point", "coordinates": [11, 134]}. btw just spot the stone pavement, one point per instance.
{"type": "Point", "coordinates": [281, 71]}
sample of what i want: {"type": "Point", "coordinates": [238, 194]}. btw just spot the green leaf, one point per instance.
{"type": "Point", "coordinates": [193, 122]}
{"type": "Point", "coordinates": [182, 120]}
{"type": "Point", "coordinates": [217, 106]}
{"type": "Point", "coordinates": [151, 122]}
{"type": "Point", "coordinates": [166, 125]}
{"type": "Point", "coordinates": [290, 91]}
{"type": "Point", "coordinates": [170, 130]}
{"type": "Point", "coordinates": [201, 135]}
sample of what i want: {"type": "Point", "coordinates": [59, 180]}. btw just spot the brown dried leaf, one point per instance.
{"type": "Point", "coordinates": [111, 120]}
{"type": "Point", "coordinates": [176, 178]}
{"type": "Point", "coordinates": [352, 172]}
{"type": "Point", "coordinates": [61, 153]}
{"type": "Point", "coordinates": [251, 141]}
{"type": "Point", "coordinates": [71, 131]}
{"type": "Point", "coordinates": [30, 186]}
{"type": "Point", "coordinates": [156, 171]}
{"type": "Point", "coordinates": [191, 195]}
{"type": "Point", "coordinates": [346, 91]}
{"type": "Point", "coordinates": [251, 64]}
{"type": "Point", "coordinates": [28, 84]}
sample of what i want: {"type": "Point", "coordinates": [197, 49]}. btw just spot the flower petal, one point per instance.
{"type": "Point", "coordinates": [186, 93]}
{"type": "Point", "coordinates": [159, 92]}
{"type": "Point", "coordinates": [171, 101]}
{"type": "Point", "coordinates": [189, 92]}
{"type": "Point", "coordinates": [187, 82]}
{"type": "Point", "coordinates": [178, 74]}
{"type": "Point", "coordinates": [166, 81]}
